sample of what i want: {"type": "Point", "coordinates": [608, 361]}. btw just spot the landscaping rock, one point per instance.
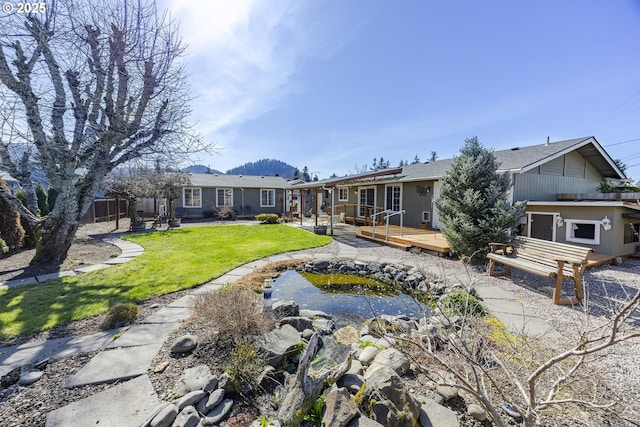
{"type": "Point", "coordinates": [188, 417]}
{"type": "Point", "coordinates": [30, 377]}
{"type": "Point", "coordinates": [285, 309]}
{"type": "Point", "coordinates": [347, 335]}
{"type": "Point", "coordinates": [435, 415]}
{"type": "Point", "coordinates": [390, 401]}
{"type": "Point", "coordinates": [298, 322]}
{"type": "Point", "coordinates": [184, 344]}
{"type": "Point", "coordinates": [165, 417]}
{"type": "Point", "coordinates": [477, 412]}
{"type": "Point", "coordinates": [389, 358]}
{"type": "Point", "coordinates": [196, 378]}
{"type": "Point", "coordinates": [205, 406]}
{"type": "Point", "coordinates": [340, 408]}
{"type": "Point", "coordinates": [363, 422]}
{"type": "Point", "coordinates": [218, 413]}
{"type": "Point", "coordinates": [367, 355]}
{"type": "Point", "coordinates": [190, 399]}
{"type": "Point", "coordinates": [276, 344]}
{"type": "Point", "coordinates": [447, 392]}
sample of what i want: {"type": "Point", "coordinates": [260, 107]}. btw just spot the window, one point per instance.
{"type": "Point", "coordinates": [191, 197]}
{"type": "Point", "coordinates": [224, 197]}
{"type": "Point", "coordinates": [583, 231]}
{"type": "Point", "coordinates": [343, 194]}
{"type": "Point", "coordinates": [392, 200]}
{"type": "Point", "coordinates": [631, 233]}
{"type": "Point", "coordinates": [267, 198]}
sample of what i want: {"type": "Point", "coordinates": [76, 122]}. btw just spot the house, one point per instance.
{"type": "Point", "coordinates": [558, 179]}
{"type": "Point", "coordinates": [12, 183]}
{"type": "Point", "coordinates": [246, 195]}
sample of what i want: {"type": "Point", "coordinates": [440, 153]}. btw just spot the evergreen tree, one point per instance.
{"type": "Point", "coordinates": [416, 159]}
{"type": "Point", "coordinates": [305, 174]}
{"type": "Point", "coordinates": [433, 157]}
{"type": "Point", "coordinates": [473, 204]}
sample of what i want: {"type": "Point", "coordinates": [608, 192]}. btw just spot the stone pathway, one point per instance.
{"type": "Point", "coordinates": [126, 359]}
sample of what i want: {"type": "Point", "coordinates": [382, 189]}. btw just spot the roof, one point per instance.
{"type": "Point", "coordinates": [523, 159]}
{"type": "Point", "coordinates": [515, 160]}
{"type": "Point", "coordinates": [237, 181]}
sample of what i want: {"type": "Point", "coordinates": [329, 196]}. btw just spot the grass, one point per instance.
{"type": "Point", "coordinates": [173, 260]}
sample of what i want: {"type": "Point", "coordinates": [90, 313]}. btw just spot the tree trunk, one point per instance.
{"type": "Point", "coordinates": [53, 240]}
{"type": "Point", "coordinates": [55, 233]}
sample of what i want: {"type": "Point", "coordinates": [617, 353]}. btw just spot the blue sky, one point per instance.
{"type": "Point", "coordinates": [332, 84]}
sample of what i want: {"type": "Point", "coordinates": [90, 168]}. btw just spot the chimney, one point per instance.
{"type": "Point", "coordinates": [547, 141]}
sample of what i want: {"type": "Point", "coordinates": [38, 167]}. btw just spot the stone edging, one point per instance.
{"type": "Point", "coordinates": [129, 250]}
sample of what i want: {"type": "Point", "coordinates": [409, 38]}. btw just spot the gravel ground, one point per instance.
{"type": "Point", "coordinates": [606, 286]}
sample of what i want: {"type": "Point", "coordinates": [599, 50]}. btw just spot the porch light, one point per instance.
{"type": "Point", "coordinates": [559, 221]}
{"type": "Point", "coordinates": [606, 223]}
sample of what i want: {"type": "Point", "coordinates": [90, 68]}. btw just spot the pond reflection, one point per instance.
{"type": "Point", "coordinates": [344, 301]}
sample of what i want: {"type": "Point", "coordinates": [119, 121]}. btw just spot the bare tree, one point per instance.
{"type": "Point", "coordinates": [514, 373]}
{"type": "Point", "coordinates": [97, 84]}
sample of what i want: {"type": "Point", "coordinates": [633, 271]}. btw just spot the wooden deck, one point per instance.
{"type": "Point", "coordinates": [408, 237]}
{"type": "Point", "coordinates": [434, 241]}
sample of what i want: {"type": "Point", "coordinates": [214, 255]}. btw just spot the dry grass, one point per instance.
{"type": "Point", "coordinates": [231, 315]}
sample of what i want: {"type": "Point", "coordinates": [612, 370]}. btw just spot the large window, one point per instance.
{"type": "Point", "coordinates": [392, 199]}
{"type": "Point", "coordinates": [224, 197]}
{"type": "Point", "coordinates": [268, 198]}
{"type": "Point", "coordinates": [583, 231]}
{"type": "Point", "coordinates": [192, 197]}
{"type": "Point", "coordinates": [343, 194]}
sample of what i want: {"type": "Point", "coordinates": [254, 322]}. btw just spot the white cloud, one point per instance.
{"type": "Point", "coordinates": [243, 54]}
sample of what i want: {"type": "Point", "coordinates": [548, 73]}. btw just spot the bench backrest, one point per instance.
{"type": "Point", "coordinates": [547, 250]}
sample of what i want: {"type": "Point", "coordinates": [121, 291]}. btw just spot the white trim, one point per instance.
{"type": "Point", "coordinates": [184, 197]}
{"type": "Point", "coordinates": [569, 231]}
{"type": "Point", "coordinates": [346, 190]}
{"type": "Point", "coordinates": [375, 195]}
{"type": "Point", "coordinates": [400, 198]}
{"type": "Point", "coordinates": [584, 203]}
{"type": "Point", "coordinates": [273, 191]}
{"type": "Point", "coordinates": [428, 216]}
{"type": "Point", "coordinates": [555, 225]}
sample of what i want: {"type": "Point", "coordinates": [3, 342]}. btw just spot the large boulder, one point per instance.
{"type": "Point", "coordinates": [340, 408]}
{"type": "Point", "coordinates": [278, 343]}
{"type": "Point", "coordinates": [389, 358]}
{"type": "Point", "coordinates": [390, 402]}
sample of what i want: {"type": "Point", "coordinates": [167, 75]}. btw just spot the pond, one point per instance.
{"type": "Point", "coordinates": [345, 302]}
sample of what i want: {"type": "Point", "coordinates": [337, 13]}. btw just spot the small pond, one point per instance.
{"type": "Point", "coordinates": [345, 302]}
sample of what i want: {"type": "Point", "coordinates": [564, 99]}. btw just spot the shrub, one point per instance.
{"type": "Point", "coordinates": [235, 313]}
{"type": "Point", "coordinates": [225, 212]}
{"type": "Point", "coordinates": [120, 315]}
{"type": "Point", "coordinates": [43, 200]}
{"type": "Point", "coordinates": [3, 247]}
{"type": "Point", "coordinates": [245, 365]}
{"type": "Point", "coordinates": [268, 218]}
{"type": "Point", "coordinates": [11, 228]}
{"type": "Point", "coordinates": [462, 304]}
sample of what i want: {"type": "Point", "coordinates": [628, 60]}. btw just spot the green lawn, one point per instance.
{"type": "Point", "coordinates": [173, 260]}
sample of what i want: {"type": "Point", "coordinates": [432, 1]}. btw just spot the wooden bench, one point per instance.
{"type": "Point", "coordinates": [558, 261]}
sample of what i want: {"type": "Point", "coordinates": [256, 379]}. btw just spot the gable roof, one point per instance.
{"type": "Point", "coordinates": [237, 181]}
{"type": "Point", "coordinates": [521, 160]}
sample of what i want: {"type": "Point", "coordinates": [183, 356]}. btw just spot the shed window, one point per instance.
{"type": "Point", "coordinates": [267, 198]}
{"type": "Point", "coordinates": [631, 233]}
{"type": "Point", "coordinates": [191, 197]}
{"type": "Point", "coordinates": [343, 194]}
{"type": "Point", "coordinates": [583, 231]}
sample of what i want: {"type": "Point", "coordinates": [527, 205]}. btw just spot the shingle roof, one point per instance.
{"type": "Point", "coordinates": [237, 181]}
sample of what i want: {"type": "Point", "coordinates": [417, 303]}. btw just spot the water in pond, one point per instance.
{"type": "Point", "coordinates": [351, 303]}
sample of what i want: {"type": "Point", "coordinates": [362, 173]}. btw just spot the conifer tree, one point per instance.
{"type": "Point", "coordinates": [473, 206]}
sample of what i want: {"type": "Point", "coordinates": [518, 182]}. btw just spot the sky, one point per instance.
{"type": "Point", "coordinates": [331, 85]}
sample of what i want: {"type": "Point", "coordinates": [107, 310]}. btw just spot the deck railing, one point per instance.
{"type": "Point", "coordinates": [389, 213]}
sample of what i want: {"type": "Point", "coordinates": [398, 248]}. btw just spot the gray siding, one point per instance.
{"type": "Point", "coordinates": [567, 174]}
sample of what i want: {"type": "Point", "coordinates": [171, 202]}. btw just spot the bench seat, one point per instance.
{"type": "Point", "coordinates": [543, 258]}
